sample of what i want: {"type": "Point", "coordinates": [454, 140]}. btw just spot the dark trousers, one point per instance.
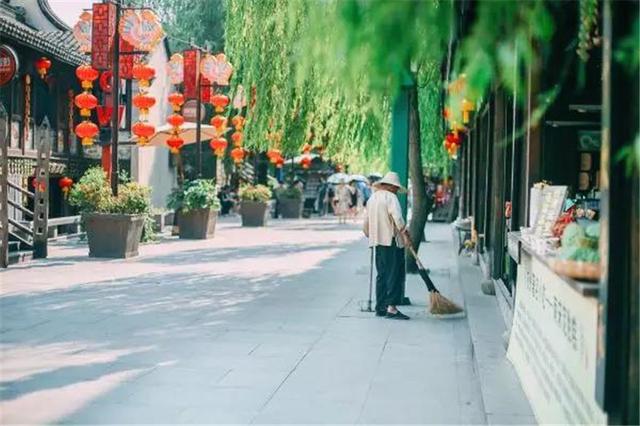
{"type": "Point", "coordinates": [389, 281]}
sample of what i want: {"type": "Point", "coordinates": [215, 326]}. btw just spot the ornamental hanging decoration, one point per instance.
{"type": "Point", "coordinates": [305, 160]}
{"type": "Point", "coordinates": [218, 145]}
{"type": "Point", "coordinates": [175, 120]}
{"type": "Point", "coordinates": [86, 102]}
{"type": "Point", "coordinates": [239, 98]}
{"type": "Point", "coordinates": [65, 183]}
{"type": "Point", "coordinates": [216, 69]}
{"type": "Point", "coordinates": [141, 29]}
{"type": "Point", "coordinates": [191, 58]}
{"type": "Point", "coordinates": [238, 152]}
{"type": "Point", "coordinates": [274, 154]}
{"type": "Point", "coordinates": [175, 68]}
{"type": "Point", "coordinates": [82, 31]}
{"type": "Point", "coordinates": [466, 107]}
{"type": "Point", "coordinates": [452, 142]}
{"type": "Point", "coordinates": [42, 66]}
{"type": "Point", "coordinates": [219, 102]}
{"type": "Point", "coordinates": [143, 73]}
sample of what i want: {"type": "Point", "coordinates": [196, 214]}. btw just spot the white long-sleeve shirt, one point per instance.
{"type": "Point", "coordinates": [383, 207]}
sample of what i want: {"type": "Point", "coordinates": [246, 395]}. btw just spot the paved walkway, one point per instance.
{"type": "Point", "coordinates": [255, 326]}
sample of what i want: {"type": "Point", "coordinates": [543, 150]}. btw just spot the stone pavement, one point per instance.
{"type": "Point", "coordinates": [258, 325]}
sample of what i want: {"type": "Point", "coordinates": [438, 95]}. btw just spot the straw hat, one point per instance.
{"type": "Point", "coordinates": [391, 178]}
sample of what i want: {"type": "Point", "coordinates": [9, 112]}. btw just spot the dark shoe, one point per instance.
{"type": "Point", "coordinates": [381, 313]}
{"type": "Point", "coordinates": [398, 316]}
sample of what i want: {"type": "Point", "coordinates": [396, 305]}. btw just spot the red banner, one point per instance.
{"type": "Point", "coordinates": [102, 32]}
{"type": "Point", "coordinates": [191, 73]}
{"type": "Point", "coordinates": [205, 89]}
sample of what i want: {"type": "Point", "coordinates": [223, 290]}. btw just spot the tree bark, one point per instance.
{"type": "Point", "coordinates": [420, 207]}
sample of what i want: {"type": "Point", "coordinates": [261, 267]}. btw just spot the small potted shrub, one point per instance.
{"type": "Point", "coordinates": [254, 201]}
{"type": "Point", "coordinates": [197, 206]}
{"type": "Point", "coordinates": [290, 202]}
{"type": "Point", "coordinates": [114, 224]}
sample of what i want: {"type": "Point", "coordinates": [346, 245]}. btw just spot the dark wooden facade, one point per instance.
{"type": "Point", "coordinates": [503, 156]}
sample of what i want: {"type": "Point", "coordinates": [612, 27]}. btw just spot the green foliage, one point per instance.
{"type": "Point", "coordinates": [92, 194]}
{"type": "Point", "coordinates": [289, 193]}
{"type": "Point", "coordinates": [195, 194]}
{"type": "Point", "coordinates": [259, 193]}
{"type": "Point", "coordinates": [184, 21]}
{"type": "Point", "coordinates": [580, 243]}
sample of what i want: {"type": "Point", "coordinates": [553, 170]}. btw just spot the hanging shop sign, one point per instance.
{"type": "Point", "coordinates": [190, 73]}
{"type": "Point", "coordinates": [8, 64]}
{"type": "Point", "coordinates": [239, 98]}
{"type": "Point", "coordinates": [553, 346]}
{"type": "Point", "coordinates": [141, 29]}
{"type": "Point", "coordinates": [102, 31]}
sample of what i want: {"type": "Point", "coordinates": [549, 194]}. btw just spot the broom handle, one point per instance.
{"type": "Point", "coordinates": [411, 249]}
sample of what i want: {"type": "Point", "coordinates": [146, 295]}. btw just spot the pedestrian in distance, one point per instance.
{"type": "Point", "coordinates": [342, 201]}
{"type": "Point", "coordinates": [388, 235]}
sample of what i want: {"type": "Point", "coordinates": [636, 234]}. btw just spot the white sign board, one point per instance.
{"type": "Point", "coordinates": [553, 346]}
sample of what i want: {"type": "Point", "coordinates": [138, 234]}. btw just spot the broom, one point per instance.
{"type": "Point", "coordinates": [439, 305]}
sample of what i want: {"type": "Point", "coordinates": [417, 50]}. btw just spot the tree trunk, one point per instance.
{"type": "Point", "coordinates": [420, 208]}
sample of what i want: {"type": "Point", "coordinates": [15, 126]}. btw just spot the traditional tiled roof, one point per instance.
{"type": "Point", "coordinates": [60, 45]}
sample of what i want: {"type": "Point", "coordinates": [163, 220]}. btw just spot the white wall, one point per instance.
{"type": "Point", "coordinates": [150, 165]}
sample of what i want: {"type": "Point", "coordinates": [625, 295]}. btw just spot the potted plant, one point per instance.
{"type": "Point", "coordinates": [113, 224]}
{"type": "Point", "coordinates": [197, 205]}
{"type": "Point", "coordinates": [254, 201]}
{"type": "Point", "coordinates": [290, 202]}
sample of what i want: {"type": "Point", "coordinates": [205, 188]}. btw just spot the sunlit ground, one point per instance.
{"type": "Point", "coordinates": [75, 329]}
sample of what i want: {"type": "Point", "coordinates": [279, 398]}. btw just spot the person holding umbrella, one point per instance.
{"type": "Point", "coordinates": [387, 233]}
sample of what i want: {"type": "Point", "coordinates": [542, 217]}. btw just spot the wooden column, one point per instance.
{"type": "Point", "coordinates": [41, 203]}
{"type": "Point", "coordinates": [618, 377]}
{"type": "Point", "coordinates": [4, 172]}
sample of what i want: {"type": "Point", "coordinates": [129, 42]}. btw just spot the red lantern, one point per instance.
{"type": "Point", "coordinates": [305, 161]}
{"type": "Point", "coordinates": [144, 73]}
{"type": "Point", "coordinates": [236, 137]}
{"type": "Point", "coordinates": [237, 154]}
{"type": "Point", "coordinates": [86, 102]}
{"type": "Point", "coordinates": [42, 66]}
{"type": "Point", "coordinates": [65, 184]}
{"type": "Point", "coordinates": [87, 130]}
{"type": "Point", "coordinates": [306, 148]}
{"type": "Point", "coordinates": [174, 143]}
{"type": "Point", "coordinates": [238, 122]}
{"type": "Point", "coordinates": [219, 122]}
{"type": "Point", "coordinates": [143, 102]}
{"type": "Point", "coordinates": [453, 138]}
{"type": "Point", "coordinates": [273, 154]}
{"type": "Point", "coordinates": [220, 102]}
{"type": "Point", "coordinates": [279, 162]}
{"type": "Point", "coordinates": [87, 74]}
{"type": "Point", "coordinates": [175, 120]}
{"type": "Point", "coordinates": [143, 131]}
{"type": "Point", "coordinates": [176, 100]}
{"type": "Point", "coordinates": [218, 145]}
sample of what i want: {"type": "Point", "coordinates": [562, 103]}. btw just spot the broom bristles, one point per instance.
{"type": "Point", "coordinates": [440, 305]}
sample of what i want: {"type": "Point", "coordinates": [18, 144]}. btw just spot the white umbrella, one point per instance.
{"type": "Point", "coordinates": [297, 159]}
{"type": "Point", "coordinates": [187, 133]}
{"type": "Point", "coordinates": [358, 178]}
{"type": "Point", "coordinates": [337, 177]}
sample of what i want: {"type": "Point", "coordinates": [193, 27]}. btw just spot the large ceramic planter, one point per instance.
{"type": "Point", "coordinates": [290, 208]}
{"type": "Point", "coordinates": [254, 213]}
{"type": "Point", "coordinates": [113, 235]}
{"type": "Point", "coordinates": [197, 224]}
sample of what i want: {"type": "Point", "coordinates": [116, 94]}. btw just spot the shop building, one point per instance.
{"type": "Point", "coordinates": [573, 321]}
{"type": "Point", "coordinates": [30, 31]}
